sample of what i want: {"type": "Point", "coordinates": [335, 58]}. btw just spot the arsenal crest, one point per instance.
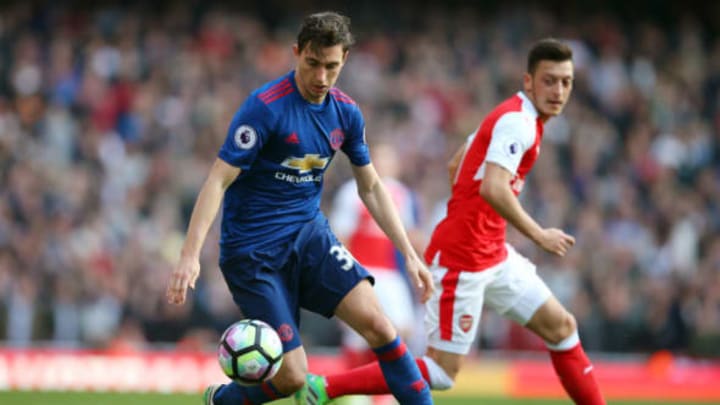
{"type": "Point", "coordinates": [466, 322]}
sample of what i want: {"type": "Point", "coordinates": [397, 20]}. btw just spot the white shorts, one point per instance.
{"type": "Point", "coordinates": [511, 287]}
{"type": "Point", "coordinates": [396, 300]}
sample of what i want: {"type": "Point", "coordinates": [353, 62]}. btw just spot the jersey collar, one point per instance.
{"type": "Point", "coordinates": [527, 104]}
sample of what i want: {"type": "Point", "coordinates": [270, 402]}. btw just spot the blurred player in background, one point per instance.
{"type": "Point", "coordinates": [357, 230]}
{"type": "Point", "coordinates": [278, 253]}
{"type": "Point", "coordinates": [470, 260]}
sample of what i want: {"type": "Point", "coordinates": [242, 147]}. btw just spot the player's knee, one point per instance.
{"type": "Point", "coordinates": [566, 327]}
{"type": "Point", "coordinates": [378, 331]}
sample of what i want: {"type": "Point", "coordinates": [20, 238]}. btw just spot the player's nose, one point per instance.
{"type": "Point", "coordinates": [321, 76]}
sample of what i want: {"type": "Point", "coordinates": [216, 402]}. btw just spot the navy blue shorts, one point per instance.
{"type": "Point", "coordinates": [314, 272]}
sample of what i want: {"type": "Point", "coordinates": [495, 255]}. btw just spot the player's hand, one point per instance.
{"type": "Point", "coordinates": [420, 277]}
{"type": "Point", "coordinates": [556, 241]}
{"type": "Point", "coordinates": [183, 276]}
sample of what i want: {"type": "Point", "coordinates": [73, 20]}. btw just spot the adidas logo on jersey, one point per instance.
{"type": "Point", "coordinates": [292, 138]}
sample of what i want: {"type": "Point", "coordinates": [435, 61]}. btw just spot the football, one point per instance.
{"type": "Point", "coordinates": [250, 352]}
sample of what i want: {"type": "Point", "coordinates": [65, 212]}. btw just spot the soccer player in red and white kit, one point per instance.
{"type": "Point", "coordinates": [358, 231]}
{"type": "Point", "coordinates": [471, 262]}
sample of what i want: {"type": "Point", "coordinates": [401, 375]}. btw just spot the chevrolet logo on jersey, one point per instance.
{"type": "Point", "coordinates": [306, 164]}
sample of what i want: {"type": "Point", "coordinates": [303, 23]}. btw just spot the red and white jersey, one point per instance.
{"type": "Point", "coordinates": [354, 225]}
{"type": "Point", "coordinates": [471, 237]}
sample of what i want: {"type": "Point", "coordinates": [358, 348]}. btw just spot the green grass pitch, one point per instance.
{"type": "Point", "coordinates": [84, 398]}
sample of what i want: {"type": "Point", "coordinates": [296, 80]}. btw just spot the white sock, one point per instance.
{"type": "Point", "coordinates": [566, 344]}
{"type": "Point", "coordinates": [439, 380]}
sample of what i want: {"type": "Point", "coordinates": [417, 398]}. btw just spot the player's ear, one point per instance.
{"type": "Point", "coordinates": [296, 50]}
{"type": "Point", "coordinates": [527, 83]}
{"type": "Point", "coordinates": [345, 55]}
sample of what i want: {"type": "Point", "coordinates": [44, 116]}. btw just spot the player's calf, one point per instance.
{"type": "Point", "coordinates": [367, 380]}
{"type": "Point", "coordinates": [361, 311]}
{"type": "Point", "coordinates": [575, 371]}
{"type": "Point", "coordinates": [402, 374]}
{"type": "Point", "coordinates": [291, 376]}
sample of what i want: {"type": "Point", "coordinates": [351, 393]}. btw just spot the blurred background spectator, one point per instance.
{"type": "Point", "coordinates": [110, 116]}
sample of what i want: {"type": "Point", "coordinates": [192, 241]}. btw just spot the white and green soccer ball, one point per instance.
{"type": "Point", "coordinates": [250, 352]}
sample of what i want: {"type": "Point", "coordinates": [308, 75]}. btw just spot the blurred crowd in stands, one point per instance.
{"type": "Point", "coordinates": [110, 117]}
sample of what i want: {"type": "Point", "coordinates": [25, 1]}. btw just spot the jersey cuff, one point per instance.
{"type": "Point", "coordinates": [501, 163]}
{"type": "Point", "coordinates": [227, 158]}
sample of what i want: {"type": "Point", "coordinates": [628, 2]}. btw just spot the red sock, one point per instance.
{"type": "Point", "coordinates": [365, 380]}
{"type": "Point", "coordinates": [576, 375]}
{"type": "Point", "coordinates": [356, 358]}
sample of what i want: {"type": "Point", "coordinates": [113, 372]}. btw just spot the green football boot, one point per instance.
{"type": "Point", "coordinates": [210, 393]}
{"type": "Point", "coordinates": [313, 392]}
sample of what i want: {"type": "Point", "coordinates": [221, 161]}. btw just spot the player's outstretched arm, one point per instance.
{"type": "Point", "coordinates": [206, 207]}
{"type": "Point", "coordinates": [495, 189]}
{"type": "Point", "coordinates": [380, 205]}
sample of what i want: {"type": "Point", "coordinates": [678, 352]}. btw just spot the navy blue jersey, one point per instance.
{"type": "Point", "coordinates": [283, 144]}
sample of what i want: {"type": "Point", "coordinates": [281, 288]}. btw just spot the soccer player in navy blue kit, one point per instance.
{"type": "Point", "coordinates": [277, 253]}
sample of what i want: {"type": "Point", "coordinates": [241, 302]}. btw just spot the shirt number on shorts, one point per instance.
{"type": "Point", "coordinates": [343, 256]}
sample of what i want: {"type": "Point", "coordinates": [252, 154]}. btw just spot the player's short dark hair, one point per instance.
{"type": "Point", "coordinates": [548, 49]}
{"type": "Point", "coordinates": [325, 29]}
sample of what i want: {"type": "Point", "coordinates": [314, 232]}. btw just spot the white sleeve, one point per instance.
{"type": "Point", "coordinates": [514, 133]}
{"type": "Point", "coordinates": [345, 211]}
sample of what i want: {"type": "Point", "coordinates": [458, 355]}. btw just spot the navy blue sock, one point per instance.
{"type": "Point", "coordinates": [402, 374]}
{"type": "Point", "coordinates": [236, 394]}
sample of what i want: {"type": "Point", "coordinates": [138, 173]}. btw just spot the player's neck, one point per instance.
{"type": "Point", "coordinates": [541, 116]}
{"type": "Point", "coordinates": [310, 99]}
